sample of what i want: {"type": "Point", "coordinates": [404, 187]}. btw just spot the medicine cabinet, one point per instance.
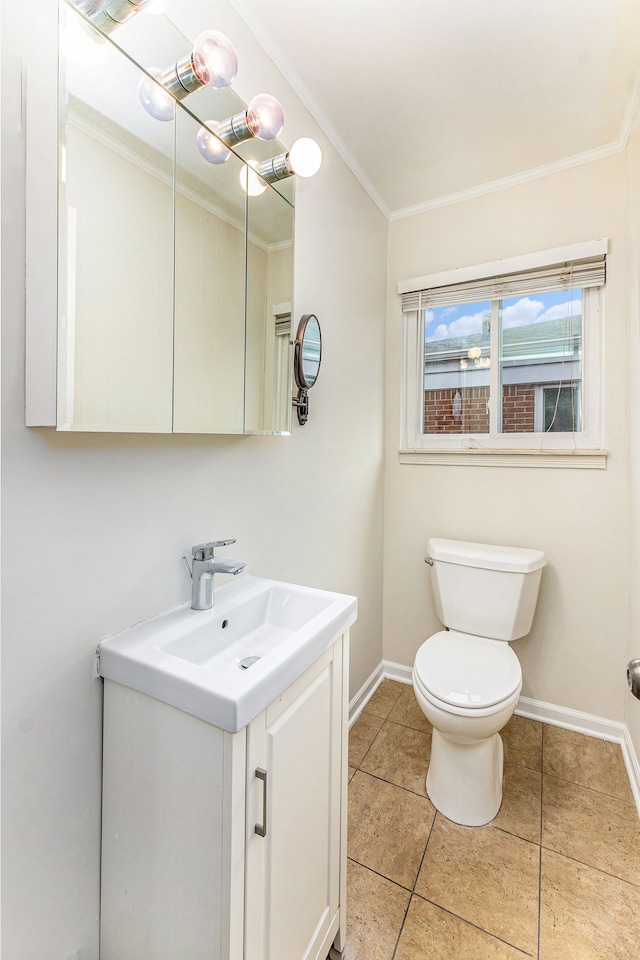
{"type": "Point", "coordinates": [172, 283]}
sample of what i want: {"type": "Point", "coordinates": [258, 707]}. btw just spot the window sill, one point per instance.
{"type": "Point", "coordinates": [486, 457]}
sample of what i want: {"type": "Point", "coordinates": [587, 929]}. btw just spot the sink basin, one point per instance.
{"type": "Point", "coordinates": [227, 664]}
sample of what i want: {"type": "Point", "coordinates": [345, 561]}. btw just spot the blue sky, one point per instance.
{"type": "Point", "coordinates": [443, 323]}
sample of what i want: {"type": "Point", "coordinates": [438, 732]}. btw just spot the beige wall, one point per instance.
{"type": "Point", "coordinates": [633, 181]}
{"type": "Point", "coordinates": [94, 525]}
{"type": "Point", "coordinates": [576, 653]}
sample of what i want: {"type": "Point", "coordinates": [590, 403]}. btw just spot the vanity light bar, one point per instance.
{"type": "Point", "coordinates": [109, 15]}
{"type": "Point", "coordinates": [275, 169]}
{"type": "Point", "coordinates": [263, 119]}
{"type": "Point", "coordinates": [212, 62]}
{"type": "Point", "coordinates": [304, 159]}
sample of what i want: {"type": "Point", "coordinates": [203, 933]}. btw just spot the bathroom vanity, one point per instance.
{"type": "Point", "coordinates": [224, 844]}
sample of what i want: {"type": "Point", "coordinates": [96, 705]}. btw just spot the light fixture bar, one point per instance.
{"type": "Point", "coordinates": [263, 119]}
{"type": "Point", "coordinates": [304, 159]}
{"type": "Point", "coordinates": [277, 168]}
{"type": "Point", "coordinates": [235, 129]}
{"type": "Point", "coordinates": [212, 62]}
{"type": "Point", "coordinates": [181, 78]}
{"type": "Point", "coordinates": [109, 15]}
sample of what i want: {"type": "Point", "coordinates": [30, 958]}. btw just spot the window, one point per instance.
{"type": "Point", "coordinates": [506, 361]}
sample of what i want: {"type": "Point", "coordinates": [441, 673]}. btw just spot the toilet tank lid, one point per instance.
{"type": "Point", "coordinates": [486, 555]}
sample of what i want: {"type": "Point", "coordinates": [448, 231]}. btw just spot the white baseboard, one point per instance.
{"type": "Point", "coordinates": [571, 719]}
{"type": "Point", "coordinates": [592, 726]}
{"type": "Point", "coordinates": [586, 723]}
{"type": "Point", "coordinates": [396, 671]}
{"type": "Point", "coordinates": [364, 694]}
{"type": "Point", "coordinates": [632, 765]}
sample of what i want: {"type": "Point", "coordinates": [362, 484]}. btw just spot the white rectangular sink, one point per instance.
{"type": "Point", "coordinates": [202, 661]}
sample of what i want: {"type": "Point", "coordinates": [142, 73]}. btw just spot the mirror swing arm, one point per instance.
{"type": "Point", "coordinates": [301, 403]}
{"type": "Point", "coordinates": [306, 364]}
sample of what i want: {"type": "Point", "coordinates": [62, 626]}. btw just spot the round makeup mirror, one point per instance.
{"type": "Point", "coordinates": [306, 364]}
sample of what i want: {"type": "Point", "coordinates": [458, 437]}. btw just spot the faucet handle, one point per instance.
{"type": "Point", "coordinates": [204, 551]}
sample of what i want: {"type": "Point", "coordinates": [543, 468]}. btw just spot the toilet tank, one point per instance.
{"type": "Point", "coordinates": [484, 589]}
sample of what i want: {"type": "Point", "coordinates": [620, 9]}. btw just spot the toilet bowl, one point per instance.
{"type": "Point", "coordinates": [467, 679]}
{"type": "Point", "coordinates": [468, 688]}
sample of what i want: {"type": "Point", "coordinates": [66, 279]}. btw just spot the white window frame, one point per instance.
{"type": "Point", "coordinates": [539, 400]}
{"type": "Point", "coordinates": [579, 449]}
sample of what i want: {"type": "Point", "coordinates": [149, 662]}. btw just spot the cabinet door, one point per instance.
{"type": "Point", "coordinates": [293, 872]}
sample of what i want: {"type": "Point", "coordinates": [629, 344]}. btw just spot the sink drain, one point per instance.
{"type": "Point", "coordinates": [247, 662]}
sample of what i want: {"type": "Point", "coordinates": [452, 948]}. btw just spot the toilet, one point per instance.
{"type": "Point", "coordinates": [467, 679]}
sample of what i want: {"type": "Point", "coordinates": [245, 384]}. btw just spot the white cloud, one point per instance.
{"type": "Point", "coordinates": [527, 311]}
{"type": "Point", "coordinates": [461, 327]}
{"type": "Point", "coordinates": [521, 313]}
{"type": "Point", "coordinates": [571, 308]}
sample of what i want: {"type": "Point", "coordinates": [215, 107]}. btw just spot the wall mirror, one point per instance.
{"type": "Point", "coordinates": [306, 364]}
{"type": "Point", "coordinates": [174, 281]}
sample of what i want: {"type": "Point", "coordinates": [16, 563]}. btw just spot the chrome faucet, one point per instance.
{"type": "Point", "coordinates": [203, 568]}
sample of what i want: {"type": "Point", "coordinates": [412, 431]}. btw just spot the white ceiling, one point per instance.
{"type": "Point", "coordinates": [431, 100]}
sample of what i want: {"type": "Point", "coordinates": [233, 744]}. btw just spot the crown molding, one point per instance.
{"type": "Point", "coordinates": [299, 87]}
{"type": "Point", "coordinates": [293, 78]}
{"type": "Point", "coordinates": [536, 173]}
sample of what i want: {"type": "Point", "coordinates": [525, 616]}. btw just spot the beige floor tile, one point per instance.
{"type": "Point", "coordinates": [387, 828]}
{"type": "Point", "coordinates": [384, 699]}
{"type": "Point", "coordinates": [484, 876]}
{"type": "Point", "coordinates": [350, 773]}
{"type": "Point", "coordinates": [522, 739]}
{"type": "Point", "coordinates": [586, 760]}
{"type": "Point", "coordinates": [408, 712]}
{"type": "Point", "coordinates": [586, 914]}
{"type": "Point", "coordinates": [591, 827]}
{"type": "Point", "coordinates": [521, 802]}
{"type": "Point", "coordinates": [430, 933]}
{"type": "Point", "coordinates": [401, 755]}
{"type": "Point", "coordinates": [375, 912]}
{"type": "Point", "coordinates": [361, 736]}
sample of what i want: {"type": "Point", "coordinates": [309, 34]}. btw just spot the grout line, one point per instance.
{"type": "Point", "coordinates": [583, 786]}
{"type": "Point", "coordinates": [475, 926]}
{"type": "Point", "coordinates": [541, 846]}
{"type": "Point", "coordinates": [413, 888]}
{"type": "Point", "coordinates": [590, 866]}
{"type": "Point", "coordinates": [381, 875]}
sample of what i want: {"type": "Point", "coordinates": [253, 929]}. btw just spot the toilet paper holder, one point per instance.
{"type": "Point", "coordinates": [633, 677]}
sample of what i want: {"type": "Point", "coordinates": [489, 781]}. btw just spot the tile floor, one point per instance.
{"type": "Point", "coordinates": [556, 876]}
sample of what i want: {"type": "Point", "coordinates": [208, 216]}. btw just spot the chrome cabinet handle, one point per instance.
{"type": "Point", "coordinates": [261, 828]}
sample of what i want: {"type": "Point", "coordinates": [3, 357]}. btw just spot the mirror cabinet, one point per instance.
{"type": "Point", "coordinates": [174, 282]}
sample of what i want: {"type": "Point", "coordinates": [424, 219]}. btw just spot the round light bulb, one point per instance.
{"type": "Point", "coordinates": [214, 60]}
{"type": "Point", "coordinates": [305, 157]}
{"type": "Point", "coordinates": [154, 98]}
{"type": "Point", "coordinates": [211, 148]}
{"type": "Point", "coordinates": [265, 117]}
{"type": "Point", "coordinates": [250, 182]}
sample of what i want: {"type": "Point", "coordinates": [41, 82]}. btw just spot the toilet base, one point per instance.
{"type": "Point", "coordinates": [464, 780]}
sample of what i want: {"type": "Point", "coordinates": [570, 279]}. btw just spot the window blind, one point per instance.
{"type": "Point", "coordinates": [589, 272]}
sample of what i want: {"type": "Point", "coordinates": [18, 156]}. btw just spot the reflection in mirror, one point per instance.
{"type": "Point", "coordinates": [116, 243]}
{"type": "Point", "coordinates": [155, 257]}
{"type": "Point", "coordinates": [306, 364]}
{"type": "Point", "coordinates": [209, 289]}
{"type": "Point", "coordinates": [269, 292]}
{"type": "Point", "coordinates": [310, 352]}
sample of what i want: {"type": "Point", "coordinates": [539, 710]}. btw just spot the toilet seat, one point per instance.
{"type": "Point", "coordinates": [464, 674]}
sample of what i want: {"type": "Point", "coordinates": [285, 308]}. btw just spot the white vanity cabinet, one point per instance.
{"type": "Point", "coordinates": [186, 871]}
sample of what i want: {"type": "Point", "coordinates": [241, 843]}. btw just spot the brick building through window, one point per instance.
{"type": "Point", "coordinates": [540, 379]}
